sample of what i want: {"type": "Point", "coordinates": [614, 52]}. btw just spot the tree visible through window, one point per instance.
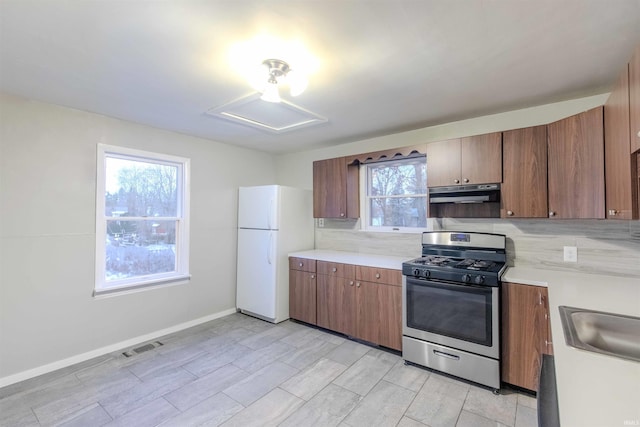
{"type": "Point", "coordinates": [142, 218]}
{"type": "Point", "coordinates": [397, 193]}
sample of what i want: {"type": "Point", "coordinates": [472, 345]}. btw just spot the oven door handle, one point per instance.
{"type": "Point", "coordinates": [448, 285]}
{"type": "Point", "coordinates": [447, 355]}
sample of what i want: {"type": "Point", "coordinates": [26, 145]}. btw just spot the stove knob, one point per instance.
{"type": "Point", "coordinates": [426, 273]}
{"type": "Point", "coordinates": [466, 278]}
{"type": "Point", "coordinates": [416, 271]}
{"type": "Point", "coordinates": [479, 280]}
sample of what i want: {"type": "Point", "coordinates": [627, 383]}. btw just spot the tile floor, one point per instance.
{"type": "Point", "coordinates": [240, 371]}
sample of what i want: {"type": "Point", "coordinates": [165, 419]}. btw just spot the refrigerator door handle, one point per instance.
{"type": "Point", "coordinates": [270, 249]}
{"type": "Point", "coordinates": [269, 215]}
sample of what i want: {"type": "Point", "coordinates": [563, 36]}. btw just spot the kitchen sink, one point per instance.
{"type": "Point", "coordinates": [606, 333]}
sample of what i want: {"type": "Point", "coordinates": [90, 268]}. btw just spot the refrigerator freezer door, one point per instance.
{"type": "Point", "coordinates": [258, 207]}
{"type": "Point", "coordinates": [256, 272]}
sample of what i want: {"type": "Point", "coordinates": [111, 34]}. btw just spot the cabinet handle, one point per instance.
{"type": "Point", "coordinates": [351, 283]}
{"type": "Point", "coordinates": [613, 212]}
{"type": "Point", "coordinates": [377, 275]}
{"type": "Point", "coordinates": [466, 180]}
{"type": "Point", "coordinates": [313, 276]}
{"type": "Point", "coordinates": [334, 269]}
{"type": "Point", "coordinates": [639, 134]}
{"type": "Point", "coordinates": [341, 213]}
{"type": "Point", "coordinates": [552, 213]}
{"type": "Point", "coordinates": [358, 285]}
{"type": "Point", "coordinates": [539, 298]}
{"type": "Point", "coordinates": [548, 343]}
{"type": "Point", "coordinates": [509, 213]}
{"type": "Point", "coordinates": [300, 265]}
{"type": "Point", "coordinates": [456, 181]}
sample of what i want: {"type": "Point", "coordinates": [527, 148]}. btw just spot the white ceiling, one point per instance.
{"type": "Point", "coordinates": [383, 65]}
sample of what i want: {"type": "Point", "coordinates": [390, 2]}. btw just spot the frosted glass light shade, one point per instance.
{"type": "Point", "coordinates": [271, 93]}
{"type": "Point", "coordinates": [297, 82]}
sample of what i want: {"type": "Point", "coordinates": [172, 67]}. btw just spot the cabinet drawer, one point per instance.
{"type": "Point", "coordinates": [379, 275]}
{"type": "Point", "coordinates": [302, 264]}
{"type": "Point", "coordinates": [336, 269]}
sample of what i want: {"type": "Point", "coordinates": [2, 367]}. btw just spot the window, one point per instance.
{"type": "Point", "coordinates": [396, 194]}
{"type": "Point", "coordinates": [142, 213]}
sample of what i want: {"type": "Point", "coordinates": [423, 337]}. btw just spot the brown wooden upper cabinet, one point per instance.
{"type": "Point", "coordinates": [335, 189]}
{"type": "Point", "coordinates": [470, 160]}
{"type": "Point", "coordinates": [619, 164]}
{"type": "Point", "coordinates": [524, 166]}
{"type": "Point", "coordinates": [634, 98]}
{"type": "Point", "coordinates": [576, 166]}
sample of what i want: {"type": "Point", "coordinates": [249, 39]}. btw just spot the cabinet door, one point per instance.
{"type": "Point", "coordinates": [335, 189]}
{"type": "Point", "coordinates": [617, 169]}
{"type": "Point", "coordinates": [368, 311]}
{"type": "Point", "coordinates": [390, 300]}
{"type": "Point", "coordinates": [302, 296]}
{"type": "Point", "coordinates": [325, 295]}
{"type": "Point", "coordinates": [524, 334]}
{"type": "Point", "coordinates": [576, 166]}
{"type": "Point", "coordinates": [336, 304]}
{"type": "Point", "coordinates": [524, 161]}
{"type": "Point", "coordinates": [329, 188]}
{"type": "Point", "coordinates": [546, 345]}
{"type": "Point", "coordinates": [481, 159]}
{"type": "Point", "coordinates": [443, 163]}
{"type": "Point", "coordinates": [634, 98]}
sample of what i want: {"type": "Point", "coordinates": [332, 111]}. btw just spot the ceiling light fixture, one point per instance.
{"type": "Point", "coordinates": [279, 72]}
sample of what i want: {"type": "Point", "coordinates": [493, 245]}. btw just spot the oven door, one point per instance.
{"type": "Point", "coordinates": [461, 316]}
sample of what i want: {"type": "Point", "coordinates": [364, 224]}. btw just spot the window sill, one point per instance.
{"type": "Point", "coordinates": [141, 286]}
{"type": "Point", "coordinates": [432, 224]}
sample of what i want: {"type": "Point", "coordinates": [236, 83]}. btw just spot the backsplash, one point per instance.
{"type": "Point", "coordinates": [604, 247]}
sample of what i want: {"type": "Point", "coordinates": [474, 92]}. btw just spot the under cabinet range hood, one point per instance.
{"type": "Point", "coordinates": [476, 193]}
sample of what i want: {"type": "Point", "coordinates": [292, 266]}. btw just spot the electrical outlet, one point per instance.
{"type": "Point", "coordinates": [320, 222]}
{"type": "Point", "coordinates": [570, 254]}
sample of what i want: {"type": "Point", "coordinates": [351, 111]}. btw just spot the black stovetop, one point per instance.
{"type": "Point", "coordinates": [435, 261]}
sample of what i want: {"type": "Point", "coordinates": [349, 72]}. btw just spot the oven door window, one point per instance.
{"type": "Point", "coordinates": [453, 310]}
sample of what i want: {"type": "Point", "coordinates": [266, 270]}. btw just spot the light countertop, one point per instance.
{"type": "Point", "coordinates": [369, 260]}
{"type": "Point", "coordinates": [594, 389]}
{"type": "Point", "coordinates": [525, 276]}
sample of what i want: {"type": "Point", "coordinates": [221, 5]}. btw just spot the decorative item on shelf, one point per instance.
{"type": "Point", "coordinates": [278, 73]}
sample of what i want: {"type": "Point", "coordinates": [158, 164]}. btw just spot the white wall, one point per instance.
{"type": "Point", "coordinates": [47, 234]}
{"type": "Point", "coordinates": [296, 168]}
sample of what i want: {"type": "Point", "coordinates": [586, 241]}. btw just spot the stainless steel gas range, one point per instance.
{"type": "Point", "coordinates": [451, 305]}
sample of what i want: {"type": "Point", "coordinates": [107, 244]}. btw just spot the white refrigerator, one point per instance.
{"type": "Point", "coordinates": [273, 221]}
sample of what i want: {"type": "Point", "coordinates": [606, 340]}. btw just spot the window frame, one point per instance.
{"type": "Point", "coordinates": [365, 205]}
{"type": "Point", "coordinates": [181, 273]}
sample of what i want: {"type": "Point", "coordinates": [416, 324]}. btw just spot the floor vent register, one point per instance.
{"type": "Point", "coordinates": [142, 348]}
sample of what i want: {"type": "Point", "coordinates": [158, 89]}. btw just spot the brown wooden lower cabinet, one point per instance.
{"type": "Point", "coordinates": [369, 309]}
{"type": "Point", "coordinates": [302, 289]}
{"type": "Point", "coordinates": [390, 316]}
{"type": "Point", "coordinates": [336, 304]}
{"type": "Point", "coordinates": [368, 306]}
{"type": "Point", "coordinates": [302, 296]}
{"type": "Point", "coordinates": [526, 333]}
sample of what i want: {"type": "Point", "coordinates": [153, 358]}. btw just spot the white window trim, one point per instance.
{"type": "Point", "coordinates": [365, 210]}
{"type": "Point", "coordinates": [181, 275]}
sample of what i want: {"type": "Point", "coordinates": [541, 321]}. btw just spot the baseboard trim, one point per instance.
{"type": "Point", "coordinates": [50, 367]}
